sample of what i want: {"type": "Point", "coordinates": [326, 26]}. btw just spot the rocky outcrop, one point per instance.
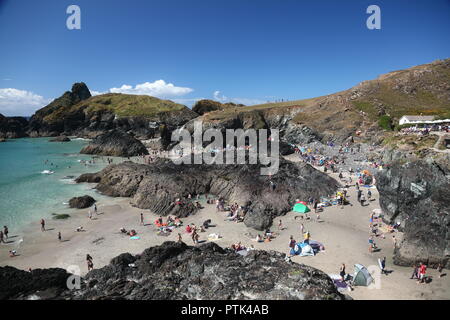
{"type": "Point", "coordinates": [48, 121]}
{"type": "Point", "coordinates": [12, 127]}
{"type": "Point", "coordinates": [175, 271]}
{"type": "Point", "coordinates": [204, 106]}
{"type": "Point", "coordinates": [81, 202]}
{"type": "Point", "coordinates": [115, 143]}
{"type": "Point", "coordinates": [156, 187]}
{"type": "Point", "coordinates": [417, 194]}
{"type": "Point", "coordinates": [37, 284]}
{"type": "Point", "coordinates": [77, 113]}
{"type": "Point", "coordinates": [60, 139]}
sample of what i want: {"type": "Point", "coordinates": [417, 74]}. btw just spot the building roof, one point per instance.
{"type": "Point", "coordinates": [419, 118]}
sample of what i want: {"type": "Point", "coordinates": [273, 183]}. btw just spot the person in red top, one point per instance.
{"type": "Point", "coordinates": [422, 272]}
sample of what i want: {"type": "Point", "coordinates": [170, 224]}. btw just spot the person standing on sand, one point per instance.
{"type": "Point", "coordinates": [5, 231]}
{"type": "Point", "coordinates": [280, 226]}
{"type": "Point", "coordinates": [142, 218]}
{"type": "Point", "coordinates": [42, 225]}
{"type": "Point", "coordinates": [383, 266]}
{"type": "Point", "coordinates": [90, 214]}
{"type": "Point", "coordinates": [422, 273]}
{"type": "Point", "coordinates": [180, 239]}
{"type": "Point", "coordinates": [302, 228]}
{"type": "Point", "coordinates": [415, 273]}
{"type": "Point", "coordinates": [95, 208]}
{"type": "Point", "coordinates": [59, 236]}
{"type": "Point", "coordinates": [342, 272]}
{"type": "Point", "coordinates": [90, 264]}
{"type": "Point", "coordinates": [394, 241]}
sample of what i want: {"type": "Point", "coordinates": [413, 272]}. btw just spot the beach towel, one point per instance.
{"type": "Point", "coordinates": [135, 238]}
{"type": "Point", "coordinates": [213, 237]}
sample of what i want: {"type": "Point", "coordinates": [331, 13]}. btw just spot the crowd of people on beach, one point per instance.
{"type": "Point", "coordinates": [357, 177]}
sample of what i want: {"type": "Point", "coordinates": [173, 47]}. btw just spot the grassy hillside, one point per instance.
{"type": "Point", "coordinates": [123, 105]}
{"type": "Point", "coordinates": [376, 104]}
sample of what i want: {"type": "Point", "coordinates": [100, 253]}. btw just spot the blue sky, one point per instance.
{"type": "Point", "coordinates": [249, 50]}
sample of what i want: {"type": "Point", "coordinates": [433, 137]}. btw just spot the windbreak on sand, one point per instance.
{"type": "Point", "coordinates": [301, 208]}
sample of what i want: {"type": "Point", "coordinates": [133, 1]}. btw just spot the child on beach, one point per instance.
{"type": "Point", "coordinates": [42, 225]}
{"type": "Point", "coordinates": [5, 231]}
{"type": "Point", "coordinates": [280, 226]}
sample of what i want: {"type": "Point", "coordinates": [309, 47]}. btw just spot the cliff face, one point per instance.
{"type": "Point", "coordinates": [417, 194]}
{"type": "Point", "coordinates": [175, 271]}
{"type": "Point", "coordinates": [157, 185]}
{"type": "Point", "coordinates": [12, 127]}
{"type": "Point", "coordinates": [39, 126]}
{"type": "Point", "coordinates": [77, 112]}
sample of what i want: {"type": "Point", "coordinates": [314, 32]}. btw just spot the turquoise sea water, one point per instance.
{"type": "Point", "coordinates": [26, 194]}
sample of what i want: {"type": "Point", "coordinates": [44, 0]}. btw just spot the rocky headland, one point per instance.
{"type": "Point", "coordinates": [175, 271]}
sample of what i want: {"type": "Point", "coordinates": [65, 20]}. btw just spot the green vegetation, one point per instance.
{"type": "Point", "coordinates": [123, 105]}
{"type": "Point", "coordinates": [385, 122]}
{"type": "Point", "coordinates": [366, 107]}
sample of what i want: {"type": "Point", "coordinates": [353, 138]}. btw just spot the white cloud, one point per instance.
{"type": "Point", "coordinates": [247, 101]}
{"type": "Point", "coordinates": [158, 88]}
{"type": "Point", "coordinates": [15, 102]}
{"type": "Point", "coordinates": [96, 93]}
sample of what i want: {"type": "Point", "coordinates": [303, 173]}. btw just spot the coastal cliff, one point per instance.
{"type": "Point", "coordinates": [12, 127]}
{"type": "Point", "coordinates": [417, 194]}
{"type": "Point", "coordinates": [78, 113]}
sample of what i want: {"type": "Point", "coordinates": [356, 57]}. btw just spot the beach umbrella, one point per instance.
{"type": "Point", "coordinates": [301, 208]}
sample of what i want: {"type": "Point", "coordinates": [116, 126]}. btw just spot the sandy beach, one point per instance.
{"type": "Point", "coordinates": [344, 233]}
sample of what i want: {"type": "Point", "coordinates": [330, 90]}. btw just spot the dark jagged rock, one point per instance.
{"type": "Point", "coordinates": [417, 194]}
{"type": "Point", "coordinates": [158, 185]}
{"type": "Point", "coordinates": [175, 271]}
{"type": "Point", "coordinates": [40, 126]}
{"type": "Point", "coordinates": [204, 106]}
{"type": "Point", "coordinates": [60, 139]}
{"type": "Point", "coordinates": [81, 202]}
{"type": "Point", "coordinates": [115, 143]}
{"type": "Point", "coordinates": [89, 178]}
{"type": "Point", "coordinates": [37, 284]}
{"type": "Point", "coordinates": [12, 127]}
